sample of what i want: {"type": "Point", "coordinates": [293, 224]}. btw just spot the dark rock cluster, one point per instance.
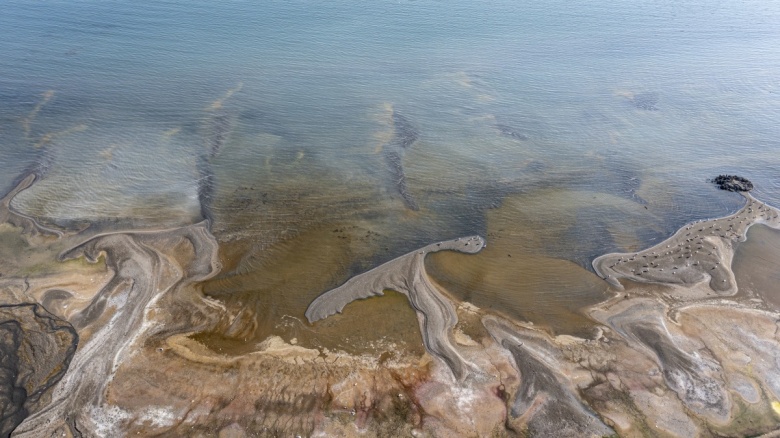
{"type": "Point", "coordinates": [733, 183]}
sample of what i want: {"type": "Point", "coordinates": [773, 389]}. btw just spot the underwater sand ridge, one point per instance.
{"type": "Point", "coordinates": [28, 224]}
{"type": "Point", "coordinates": [404, 135]}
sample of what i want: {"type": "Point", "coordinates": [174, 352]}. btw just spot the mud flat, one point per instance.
{"type": "Point", "coordinates": [665, 359]}
{"type": "Point", "coordinates": [134, 346]}
{"type": "Point", "coordinates": [117, 317]}
{"type": "Point", "coordinates": [36, 348]}
{"type": "Point", "coordinates": [699, 252]}
{"type": "Point", "coordinates": [546, 403]}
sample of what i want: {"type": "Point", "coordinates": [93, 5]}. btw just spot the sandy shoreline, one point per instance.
{"type": "Point", "coordinates": [678, 353]}
{"type": "Point", "coordinates": [699, 251]}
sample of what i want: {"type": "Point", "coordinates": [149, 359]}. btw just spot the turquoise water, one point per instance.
{"type": "Point", "coordinates": [641, 100]}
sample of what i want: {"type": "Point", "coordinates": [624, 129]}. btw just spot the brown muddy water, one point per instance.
{"type": "Point", "coordinates": [269, 291]}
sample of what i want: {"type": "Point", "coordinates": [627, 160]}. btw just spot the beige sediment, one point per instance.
{"type": "Point", "coordinates": [701, 252]}
{"type": "Point", "coordinates": [653, 366]}
{"type": "Point", "coordinates": [116, 319]}
{"type": "Point", "coordinates": [406, 274]}
{"type": "Point", "coordinates": [690, 371]}
{"type": "Point", "coordinates": [681, 312]}
{"type": "Point", "coordinates": [274, 346]}
{"type": "Point", "coordinates": [650, 365]}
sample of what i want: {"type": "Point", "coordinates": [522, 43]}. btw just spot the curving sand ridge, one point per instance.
{"type": "Point", "coordinates": [658, 363]}
{"type": "Point", "coordinates": [406, 274]}
{"type": "Point", "coordinates": [698, 252]}
{"type": "Point", "coordinates": [654, 363]}
{"type": "Point", "coordinates": [546, 398]}
{"type": "Point", "coordinates": [15, 218]}
{"type": "Point", "coordinates": [116, 319]}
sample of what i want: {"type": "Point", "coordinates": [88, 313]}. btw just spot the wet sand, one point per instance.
{"type": "Point", "coordinates": [687, 388]}
{"type": "Point", "coordinates": [640, 367]}
{"type": "Point", "coordinates": [757, 265]}
{"type": "Point", "coordinates": [407, 275]}
{"type": "Point", "coordinates": [261, 265]}
{"type": "Point", "coordinates": [183, 335]}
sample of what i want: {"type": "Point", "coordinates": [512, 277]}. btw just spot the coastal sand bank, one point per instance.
{"type": "Point", "coordinates": [161, 350]}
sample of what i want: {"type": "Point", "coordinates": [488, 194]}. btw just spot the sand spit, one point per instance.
{"type": "Point", "coordinates": [406, 274]}
{"type": "Point", "coordinates": [659, 363]}
{"type": "Point", "coordinates": [699, 252]}
{"type": "Point", "coordinates": [663, 358]}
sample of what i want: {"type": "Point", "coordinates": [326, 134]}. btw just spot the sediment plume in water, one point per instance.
{"type": "Point", "coordinates": [666, 355]}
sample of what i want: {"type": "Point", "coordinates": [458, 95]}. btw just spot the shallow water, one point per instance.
{"type": "Point", "coordinates": [287, 147]}
{"type": "Point", "coordinates": [315, 84]}
{"type": "Point", "coordinates": [559, 131]}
